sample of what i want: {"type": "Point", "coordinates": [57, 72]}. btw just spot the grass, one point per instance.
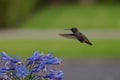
{"type": "Point", "coordinates": [86, 17]}
{"type": "Point", "coordinates": [66, 49]}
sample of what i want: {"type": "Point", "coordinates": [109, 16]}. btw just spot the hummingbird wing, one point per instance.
{"type": "Point", "coordinates": [70, 36]}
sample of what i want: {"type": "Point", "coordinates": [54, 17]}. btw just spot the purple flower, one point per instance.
{"type": "Point", "coordinates": [5, 73]}
{"type": "Point", "coordinates": [54, 61]}
{"type": "Point", "coordinates": [38, 67]}
{"type": "Point", "coordinates": [8, 58]}
{"type": "Point", "coordinates": [9, 61]}
{"type": "Point", "coordinates": [55, 75]}
{"type": "Point", "coordinates": [50, 59]}
{"type": "Point", "coordinates": [33, 58]}
{"type": "Point", "coordinates": [44, 60]}
{"type": "Point", "coordinates": [21, 70]}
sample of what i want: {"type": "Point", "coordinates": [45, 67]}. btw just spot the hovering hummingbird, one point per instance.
{"type": "Point", "coordinates": [77, 35]}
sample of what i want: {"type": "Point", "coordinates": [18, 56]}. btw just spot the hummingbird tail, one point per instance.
{"type": "Point", "coordinates": [89, 43]}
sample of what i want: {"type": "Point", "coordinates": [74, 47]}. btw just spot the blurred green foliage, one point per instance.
{"type": "Point", "coordinates": [109, 1]}
{"type": "Point", "coordinates": [87, 17]}
{"type": "Point", "coordinates": [67, 49]}
{"type": "Point", "coordinates": [13, 12]}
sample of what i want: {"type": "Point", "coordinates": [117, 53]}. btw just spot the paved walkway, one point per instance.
{"type": "Point", "coordinates": [53, 34]}
{"type": "Point", "coordinates": [92, 70]}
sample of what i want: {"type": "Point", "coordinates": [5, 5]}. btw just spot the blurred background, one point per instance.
{"type": "Point", "coordinates": [30, 25]}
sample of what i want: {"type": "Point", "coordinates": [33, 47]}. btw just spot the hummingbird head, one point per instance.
{"type": "Point", "coordinates": [74, 29]}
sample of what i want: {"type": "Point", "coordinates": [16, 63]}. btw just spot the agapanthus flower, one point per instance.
{"type": "Point", "coordinates": [55, 75]}
{"type": "Point", "coordinates": [38, 67]}
{"type": "Point", "coordinates": [3, 73]}
{"type": "Point", "coordinates": [8, 58]}
{"type": "Point", "coordinates": [41, 61]}
{"type": "Point", "coordinates": [21, 70]}
{"type": "Point", "coordinates": [33, 58]}
{"type": "Point", "coordinates": [50, 59]}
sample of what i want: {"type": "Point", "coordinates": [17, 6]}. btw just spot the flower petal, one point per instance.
{"type": "Point", "coordinates": [21, 71]}
{"type": "Point", "coordinates": [6, 57]}
{"type": "Point", "coordinates": [56, 75]}
{"type": "Point", "coordinates": [33, 58]}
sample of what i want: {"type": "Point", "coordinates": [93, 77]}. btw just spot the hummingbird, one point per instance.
{"type": "Point", "coordinates": [76, 35]}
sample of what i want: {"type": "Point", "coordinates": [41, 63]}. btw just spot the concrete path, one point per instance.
{"type": "Point", "coordinates": [92, 70]}
{"type": "Point", "coordinates": [53, 34]}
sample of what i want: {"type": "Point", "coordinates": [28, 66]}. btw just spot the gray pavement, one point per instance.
{"type": "Point", "coordinates": [92, 70]}
{"type": "Point", "coordinates": [53, 34]}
